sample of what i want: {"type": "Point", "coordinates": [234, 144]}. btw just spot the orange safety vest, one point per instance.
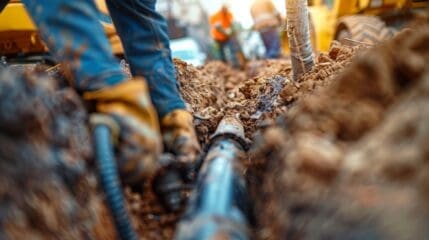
{"type": "Point", "coordinates": [224, 19]}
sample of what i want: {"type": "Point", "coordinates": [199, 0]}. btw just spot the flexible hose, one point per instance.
{"type": "Point", "coordinates": [110, 181]}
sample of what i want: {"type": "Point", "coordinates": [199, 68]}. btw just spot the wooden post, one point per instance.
{"type": "Point", "coordinates": [298, 30]}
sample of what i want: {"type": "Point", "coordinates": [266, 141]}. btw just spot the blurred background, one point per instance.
{"type": "Point", "coordinates": [188, 22]}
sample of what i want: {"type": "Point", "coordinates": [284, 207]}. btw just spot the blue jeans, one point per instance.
{"type": "Point", "coordinates": [271, 39]}
{"type": "Point", "coordinates": [230, 46]}
{"type": "Point", "coordinates": [73, 33]}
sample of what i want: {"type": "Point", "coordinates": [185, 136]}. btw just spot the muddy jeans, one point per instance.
{"type": "Point", "coordinates": [230, 48]}
{"type": "Point", "coordinates": [73, 33]}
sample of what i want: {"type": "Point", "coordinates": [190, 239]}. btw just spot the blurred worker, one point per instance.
{"type": "Point", "coordinates": [266, 21]}
{"type": "Point", "coordinates": [221, 31]}
{"type": "Point", "coordinates": [75, 37]}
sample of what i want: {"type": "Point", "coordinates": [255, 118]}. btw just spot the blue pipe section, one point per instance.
{"type": "Point", "coordinates": [216, 198]}
{"type": "Point", "coordinates": [110, 181]}
{"type": "Point", "coordinates": [219, 206]}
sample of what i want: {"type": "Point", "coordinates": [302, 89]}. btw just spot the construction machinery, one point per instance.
{"type": "Point", "coordinates": [357, 21]}
{"type": "Point", "coordinates": [20, 40]}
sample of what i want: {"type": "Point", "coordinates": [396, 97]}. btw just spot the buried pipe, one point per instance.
{"type": "Point", "coordinates": [219, 207]}
{"type": "Point", "coordinates": [110, 181]}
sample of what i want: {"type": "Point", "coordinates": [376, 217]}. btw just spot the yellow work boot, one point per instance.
{"type": "Point", "coordinates": [179, 136]}
{"type": "Point", "coordinates": [138, 142]}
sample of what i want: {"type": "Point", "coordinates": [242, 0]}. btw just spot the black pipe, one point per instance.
{"type": "Point", "coordinates": [219, 207]}
{"type": "Point", "coordinates": [110, 181]}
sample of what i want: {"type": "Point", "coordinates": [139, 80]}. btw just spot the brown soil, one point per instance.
{"type": "Point", "coordinates": [150, 219]}
{"type": "Point", "coordinates": [350, 161]}
{"type": "Point", "coordinates": [46, 189]}
{"type": "Point", "coordinates": [257, 95]}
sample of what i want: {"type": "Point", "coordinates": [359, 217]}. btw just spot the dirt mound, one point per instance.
{"type": "Point", "coordinates": [46, 188]}
{"type": "Point", "coordinates": [148, 216]}
{"type": "Point", "coordinates": [257, 95]}
{"type": "Point", "coordinates": [350, 161]}
{"type": "Point", "coordinates": [47, 174]}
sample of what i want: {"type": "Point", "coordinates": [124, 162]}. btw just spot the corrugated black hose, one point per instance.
{"type": "Point", "coordinates": [110, 181]}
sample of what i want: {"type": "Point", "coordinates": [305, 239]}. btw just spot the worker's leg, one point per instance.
{"type": "Point", "coordinates": [221, 48]}
{"type": "Point", "coordinates": [144, 36]}
{"type": "Point", "coordinates": [143, 33]}
{"type": "Point", "coordinates": [75, 37]}
{"type": "Point", "coordinates": [234, 48]}
{"type": "Point", "coordinates": [271, 40]}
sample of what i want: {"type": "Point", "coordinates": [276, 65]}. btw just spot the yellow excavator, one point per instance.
{"type": "Point", "coordinates": [19, 37]}
{"type": "Point", "coordinates": [357, 21]}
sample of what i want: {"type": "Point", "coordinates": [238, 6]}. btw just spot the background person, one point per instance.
{"type": "Point", "coordinates": [266, 21]}
{"type": "Point", "coordinates": [221, 31]}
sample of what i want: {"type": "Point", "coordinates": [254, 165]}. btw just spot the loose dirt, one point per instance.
{"type": "Point", "coordinates": [350, 160]}
{"type": "Point", "coordinates": [46, 188]}
{"type": "Point", "coordinates": [255, 96]}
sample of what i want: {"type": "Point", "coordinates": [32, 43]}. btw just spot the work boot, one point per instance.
{"type": "Point", "coordinates": [138, 142]}
{"type": "Point", "coordinates": [179, 136]}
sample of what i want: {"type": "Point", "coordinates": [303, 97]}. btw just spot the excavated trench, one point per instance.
{"type": "Point", "coordinates": [340, 154]}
